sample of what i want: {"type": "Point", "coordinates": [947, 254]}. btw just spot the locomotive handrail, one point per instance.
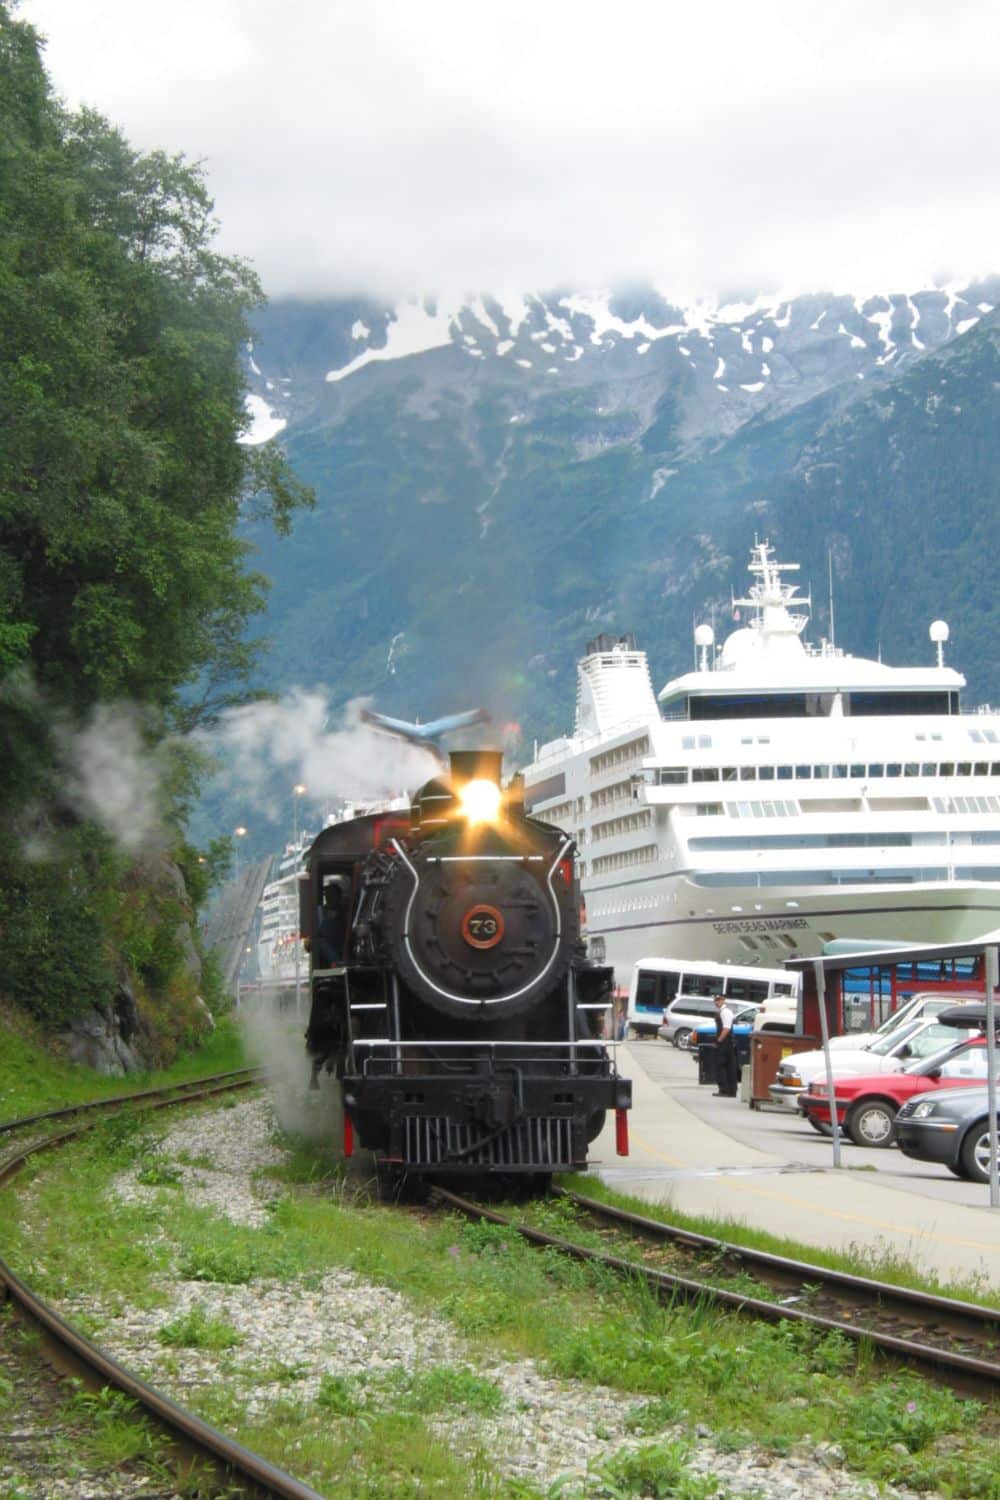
{"type": "Point", "coordinates": [406, 1044]}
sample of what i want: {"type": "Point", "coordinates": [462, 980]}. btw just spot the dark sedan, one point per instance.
{"type": "Point", "coordinates": [951, 1127]}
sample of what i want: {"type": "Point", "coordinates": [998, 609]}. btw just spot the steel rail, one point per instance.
{"type": "Point", "coordinates": [961, 1369]}
{"type": "Point", "coordinates": [8, 1126]}
{"type": "Point", "coordinates": [255, 1474]}
{"type": "Point", "coordinates": [970, 1317]}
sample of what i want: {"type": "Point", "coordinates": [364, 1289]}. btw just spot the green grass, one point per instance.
{"type": "Point", "coordinates": [33, 1078]}
{"type": "Point", "coordinates": [784, 1386]}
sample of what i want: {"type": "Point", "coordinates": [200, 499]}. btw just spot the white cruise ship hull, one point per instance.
{"type": "Point", "coordinates": [791, 925]}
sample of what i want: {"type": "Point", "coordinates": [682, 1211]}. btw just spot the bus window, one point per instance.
{"type": "Point", "coordinates": [702, 984]}
{"type": "Point", "coordinates": [753, 990]}
{"type": "Point", "coordinates": [670, 981]}
{"type": "Point", "coordinates": [646, 991]}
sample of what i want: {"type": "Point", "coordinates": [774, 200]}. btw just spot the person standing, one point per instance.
{"type": "Point", "coordinates": [726, 1072]}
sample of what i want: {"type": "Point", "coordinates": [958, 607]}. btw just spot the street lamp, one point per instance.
{"type": "Point", "coordinates": [298, 790]}
{"type": "Point", "coordinates": [238, 833]}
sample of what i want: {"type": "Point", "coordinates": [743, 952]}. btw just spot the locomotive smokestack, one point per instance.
{"type": "Point", "coordinates": [476, 765]}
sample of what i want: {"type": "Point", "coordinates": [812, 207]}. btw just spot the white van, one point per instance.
{"type": "Point", "coordinates": [660, 985]}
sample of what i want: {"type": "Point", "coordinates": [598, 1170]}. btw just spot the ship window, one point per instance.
{"type": "Point", "coordinates": [668, 775]}
{"type": "Point", "coordinates": [784, 773]}
{"type": "Point", "coordinates": [804, 772]}
{"type": "Point", "coordinates": [705, 773]}
{"type": "Point", "coordinates": [876, 769]}
{"type": "Point", "coordinates": [839, 771]}
{"type": "Point", "coordinates": [964, 768]}
{"type": "Point", "coordinates": [708, 809]}
{"type": "Point", "coordinates": [729, 773]}
{"type": "Point", "coordinates": [981, 768]}
{"type": "Point", "coordinates": [989, 736]}
{"type": "Point", "coordinates": [687, 742]}
{"type": "Point", "coordinates": [748, 773]}
{"type": "Point", "coordinates": [947, 768]}
{"type": "Point", "coordinates": [975, 735]}
{"type": "Point", "coordinates": [911, 768]}
{"type": "Point", "coordinates": [857, 770]}
{"type": "Point", "coordinates": [766, 773]}
{"type": "Point", "coordinates": [928, 768]}
{"type": "Point", "coordinates": [820, 773]}
{"type": "Point", "coordinates": [704, 742]}
{"type": "Point", "coordinates": [894, 769]}
{"type": "Point", "coordinates": [995, 768]}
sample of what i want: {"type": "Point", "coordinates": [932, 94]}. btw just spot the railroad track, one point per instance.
{"type": "Point", "coordinates": [958, 1342]}
{"type": "Point", "coordinates": [248, 1472]}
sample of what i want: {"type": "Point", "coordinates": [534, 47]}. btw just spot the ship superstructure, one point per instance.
{"type": "Point", "coordinates": [778, 796]}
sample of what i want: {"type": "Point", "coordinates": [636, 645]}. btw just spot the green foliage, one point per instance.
{"type": "Point", "coordinates": [54, 952]}
{"type": "Point", "coordinates": [195, 1329]}
{"type": "Point", "coordinates": [224, 1259]}
{"type": "Point", "coordinates": [159, 1173]}
{"type": "Point", "coordinates": [658, 1471]}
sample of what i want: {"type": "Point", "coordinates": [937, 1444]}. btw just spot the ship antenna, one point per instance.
{"type": "Point", "coordinates": [833, 627]}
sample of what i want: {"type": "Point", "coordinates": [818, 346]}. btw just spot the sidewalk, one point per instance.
{"type": "Point", "coordinates": [678, 1159]}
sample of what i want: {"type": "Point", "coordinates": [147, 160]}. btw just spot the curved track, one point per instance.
{"type": "Point", "coordinates": [959, 1342]}
{"type": "Point", "coordinates": [250, 1473]}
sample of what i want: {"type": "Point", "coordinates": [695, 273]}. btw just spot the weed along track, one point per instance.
{"type": "Point", "coordinates": [194, 1441]}
{"type": "Point", "coordinates": [958, 1342]}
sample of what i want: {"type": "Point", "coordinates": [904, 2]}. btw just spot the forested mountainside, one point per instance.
{"type": "Point", "coordinates": [488, 503]}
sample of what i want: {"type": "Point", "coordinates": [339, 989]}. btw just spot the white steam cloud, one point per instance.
{"type": "Point", "coordinates": [113, 777]}
{"type": "Point", "coordinates": [350, 761]}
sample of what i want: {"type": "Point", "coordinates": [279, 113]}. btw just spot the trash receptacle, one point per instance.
{"type": "Point", "coordinates": [708, 1062]}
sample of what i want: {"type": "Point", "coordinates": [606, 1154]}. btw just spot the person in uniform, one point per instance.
{"type": "Point", "coordinates": [725, 1050]}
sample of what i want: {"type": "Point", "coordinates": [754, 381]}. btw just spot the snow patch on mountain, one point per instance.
{"type": "Point", "coordinates": [413, 330]}
{"type": "Point", "coordinates": [264, 423]}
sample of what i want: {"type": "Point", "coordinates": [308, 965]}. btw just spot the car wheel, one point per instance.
{"type": "Point", "coordinates": [975, 1153]}
{"type": "Point", "coordinates": [682, 1037]}
{"type": "Point", "coordinates": [872, 1124]}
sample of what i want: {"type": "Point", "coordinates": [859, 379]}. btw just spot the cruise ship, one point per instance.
{"type": "Point", "coordinates": [777, 797]}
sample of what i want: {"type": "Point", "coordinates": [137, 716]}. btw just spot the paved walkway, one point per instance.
{"type": "Point", "coordinates": [701, 1169]}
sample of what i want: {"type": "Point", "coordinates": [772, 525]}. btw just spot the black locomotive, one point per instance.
{"type": "Point", "coordinates": [451, 994]}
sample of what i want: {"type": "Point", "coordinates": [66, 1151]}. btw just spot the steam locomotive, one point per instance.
{"type": "Point", "coordinates": [460, 1016]}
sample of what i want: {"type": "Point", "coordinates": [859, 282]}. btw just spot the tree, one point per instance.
{"type": "Point", "coordinates": [121, 408]}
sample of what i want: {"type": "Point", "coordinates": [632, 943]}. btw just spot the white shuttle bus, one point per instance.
{"type": "Point", "coordinates": [660, 982]}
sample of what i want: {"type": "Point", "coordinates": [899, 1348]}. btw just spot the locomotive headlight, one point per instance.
{"type": "Point", "coordinates": [480, 801]}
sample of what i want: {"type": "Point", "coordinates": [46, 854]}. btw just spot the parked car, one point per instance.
{"type": "Point", "coordinates": [890, 1054]}
{"type": "Point", "coordinates": [918, 1008]}
{"type": "Point", "coordinates": [951, 1128]}
{"type": "Point", "coordinates": [684, 1015]}
{"type": "Point", "coordinates": [867, 1106]}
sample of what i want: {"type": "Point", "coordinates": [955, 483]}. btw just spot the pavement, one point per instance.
{"type": "Point", "coordinates": [766, 1169]}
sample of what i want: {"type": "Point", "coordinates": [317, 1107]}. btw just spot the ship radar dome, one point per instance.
{"type": "Point", "coordinates": [939, 633]}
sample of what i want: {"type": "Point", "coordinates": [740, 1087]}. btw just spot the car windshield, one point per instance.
{"type": "Point", "coordinates": [928, 1064]}
{"type": "Point", "coordinates": [887, 1043]}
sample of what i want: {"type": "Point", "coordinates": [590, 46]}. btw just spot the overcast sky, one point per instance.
{"type": "Point", "coordinates": [714, 146]}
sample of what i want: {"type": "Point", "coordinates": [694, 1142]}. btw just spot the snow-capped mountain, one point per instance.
{"type": "Point", "coordinates": [728, 361]}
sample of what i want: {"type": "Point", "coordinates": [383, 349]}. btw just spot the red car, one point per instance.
{"type": "Point", "coordinates": [866, 1107]}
